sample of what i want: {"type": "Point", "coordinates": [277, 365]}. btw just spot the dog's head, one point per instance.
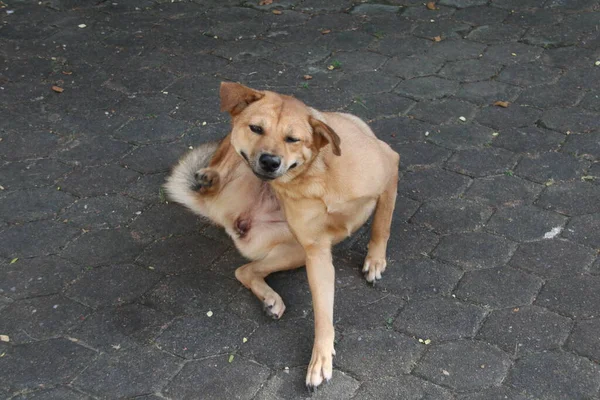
{"type": "Point", "coordinates": [274, 133]}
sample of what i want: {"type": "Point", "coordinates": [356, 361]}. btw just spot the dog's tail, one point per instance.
{"type": "Point", "coordinates": [181, 184]}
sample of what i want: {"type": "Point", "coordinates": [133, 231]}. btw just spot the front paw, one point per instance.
{"type": "Point", "coordinates": [206, 179]}
{"type": "Point", "coordinates": [373, 268]}
{"type": "Point", "coordinates": [321, 364]}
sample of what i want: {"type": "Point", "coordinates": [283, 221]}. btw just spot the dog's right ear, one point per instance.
{"type": "Point", "coordinates": [236, 97]}
{"type": "Point", "coordinates": [323, 134]}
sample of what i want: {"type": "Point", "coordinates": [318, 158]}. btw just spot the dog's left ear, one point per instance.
{"type": "Point", "coordinates": [323, 134]}
{"type": "Point", "coordinates": [236, 97]}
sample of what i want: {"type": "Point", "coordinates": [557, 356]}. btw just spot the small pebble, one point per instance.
{"type": "Point", "coordinates": [463, 119]}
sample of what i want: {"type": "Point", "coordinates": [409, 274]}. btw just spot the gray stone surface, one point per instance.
{"type": "Point", "coordinates": [556, 376]}
{"type": "Point", "coordinates": [105, 288]}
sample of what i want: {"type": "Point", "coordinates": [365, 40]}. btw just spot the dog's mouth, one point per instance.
{"type": "Point", "coordinates": [263, 176]}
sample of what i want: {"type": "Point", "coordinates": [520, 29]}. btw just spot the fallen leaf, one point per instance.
{"type": "Point", "coordinates": [331, 68]}
{"type": "Point", "coordinates": [209, 314]}
{"type": "Point", "coordinates": [427, 341]}
{"type": "Point", "coordinates": [307, 77]}
{"type": "Point", "coordinates": [67, 73]}
{"type": "Point", "coordinates": [277, 12]}
{"type": "Point", "coordinates": [244, 340]}
{"type": "Point", "coordinates": [588, 178]}
{"type": "Point", "coordinates": [445, 372]}
{"type": "Point", "coordinates": [431, 5]}
{"type": "Point", "coordinates": [4, 338]}
{"type": "Point", "coordinates": [437, 38]}
{"type": "Point", "coordinates": [58, 89]}
{"type": "Point", "coordinates": [231, 356]}
{"type": "Point", "coordinates": [326, 31]}
{"type": "Point", "coordinates": [463, 119]}
{"type": "Point", "coordinates": [1, 187]}
{"type": "Point", "coordinates": [14, 260]}
{"type": "Point", "coordinates": [265, 2]}
{"type": "Point", "coordinates": [82, 26]}
{"type": "Point", "coordinates": [516, 309]}
{"type": "Point", "coordinates": [503, 104]}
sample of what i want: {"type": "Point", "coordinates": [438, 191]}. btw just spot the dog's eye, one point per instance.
{"type": "Point", "coordinates": [290, 139]}
{"type": "Point", "coordinates": [256, 129]}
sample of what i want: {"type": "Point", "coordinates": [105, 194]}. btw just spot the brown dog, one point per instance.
{"type": "Point", "coordinates": [215, 183]}
{"type": "Point", "coordinates": [329, 173]}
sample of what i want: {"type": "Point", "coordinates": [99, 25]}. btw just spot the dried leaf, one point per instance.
{"type": "Point", "coordinates": [307, 77]}
{"type": "Point", "coordinates": [58, 89]}
{"type": "Point", "coordinates": [503, 104]}
{"type": "Point", "coordinates": [265, 2]}
{"type": "Point", "coordinates": [4, 338]}
{"type": "Point", "coordinates": [437, 38]}
{"type": "Point", "coordinates": [67, 72]}
{"type": "Point", "coordinates": [431, 5]}
{"type": "Point", "coordinates": [277, 12]}
{"type": "Point", "coordinates": [331, 67]}
{"type": "Point", "coordinates": [326, 31]}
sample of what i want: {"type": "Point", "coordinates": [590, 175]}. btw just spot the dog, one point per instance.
{"type": "Point", "coordinates": [329, 173]}
{"type": "Point", "coordinates": [215, 183]}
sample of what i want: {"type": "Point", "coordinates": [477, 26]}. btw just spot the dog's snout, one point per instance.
{"type": "Point", "coordinates": [269, 162]}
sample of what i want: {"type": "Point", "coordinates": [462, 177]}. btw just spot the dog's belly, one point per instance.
{"type": "Point", "coordinates": [344, 219]}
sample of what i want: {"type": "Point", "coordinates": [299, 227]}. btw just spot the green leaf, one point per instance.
{"type": "Point", "coordinates": [14, 260]}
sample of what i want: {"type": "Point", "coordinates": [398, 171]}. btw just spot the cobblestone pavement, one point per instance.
{"type": "Point", "coordinates": [493, 288]}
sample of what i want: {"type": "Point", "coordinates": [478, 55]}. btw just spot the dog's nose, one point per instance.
{"type": "Point", "coordinates": [269, 162]}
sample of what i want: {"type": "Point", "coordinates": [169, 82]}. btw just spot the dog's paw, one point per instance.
{"type": "Point", "coordinates": [321, 365]}
{"type": "Point", "coordinates": [373, 268]}
{"type": "Point", "coordinates": [274, 306]}
{"type": "Point", "coordinates": [206, 179]}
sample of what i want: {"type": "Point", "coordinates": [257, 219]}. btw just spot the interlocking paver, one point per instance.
{"type": "Point", "coordinates": [482, 162]}
{"type": "Point", "coordinates": [572, 198]}
{"type": "Point", "coordinates": [287, 384]}
{"type": "Point", "coordinates": [530, 139]}
{"type": "Point", "coordinates": [93, 289]}
{"type": "Point", "coordinates": [128, 373]}
{"type": "Point", "coordinates": [584, 229]}
{"type": "Point", "coordinates": [35, 204]}
{"type": "Point", "coordinates": [440, 319]}
{"type": "Point", "coordinates": [496, 212]}
{"type": "Point", "coordinates": [574, 296]}
{"type": "Point", "coordinates": [405, 386]}
{"type": "Point", "coordinates": [525, 329]}
{"type": "Point", "coordinates": [503, 190]}
{"type": "Point", "coordinates": [47, 317]}
{"type": "Point", "coordinates": [112, 329]}
{"type": "Point", "coordinates": [356, 353]}
{"type": "Point", "coordinates": [583, 339]}
{"type": "Point", "coordinates": [40, 276]}
{"type": "Point", "coordinates": [556, 376]}
{"type": "Point", "coordinates": [498, 287]}
{"type": "Point", "coordinates": [102, 212]}
{"type": "Point", "coordinates": [102, 247]}
{"type": "Point", "coordinates": [553, 258]}
{"type": "Point", "coordinates": [50, 362]}
{"type": "Point", "coordinates": [452, 215]}
{"type": "Point", "coordinates": [552, 167]}
{"type": "Point", "coordinates": [526, 223]}
{"type": "Point", "coordinates": [464, 365]}
{"type": "Point", "coordinates": [475, 250]}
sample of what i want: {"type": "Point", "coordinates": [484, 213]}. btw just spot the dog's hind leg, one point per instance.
{"type": "Point", "coordinates": [252, 275]}
{"type": "Point", "coordinates": [375, 262]}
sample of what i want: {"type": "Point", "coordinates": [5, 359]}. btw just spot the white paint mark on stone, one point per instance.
{"type": "Point", "coordinates": [553, 232]}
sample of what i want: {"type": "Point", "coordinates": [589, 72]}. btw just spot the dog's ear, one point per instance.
{"type": "Point", "coordinates": [236, 97]}
{"type": "Point", "coordinates": [323, 134]}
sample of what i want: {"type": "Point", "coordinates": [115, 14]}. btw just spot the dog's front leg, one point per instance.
{"type": "Point", "coordinates": [321, 279]}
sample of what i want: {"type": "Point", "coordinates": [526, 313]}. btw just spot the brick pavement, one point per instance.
{"type": "Point", "coordinates": [493, 287]}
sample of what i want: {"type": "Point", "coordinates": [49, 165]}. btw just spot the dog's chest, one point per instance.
{"type": "Point", "coordinates": [344, 218]}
